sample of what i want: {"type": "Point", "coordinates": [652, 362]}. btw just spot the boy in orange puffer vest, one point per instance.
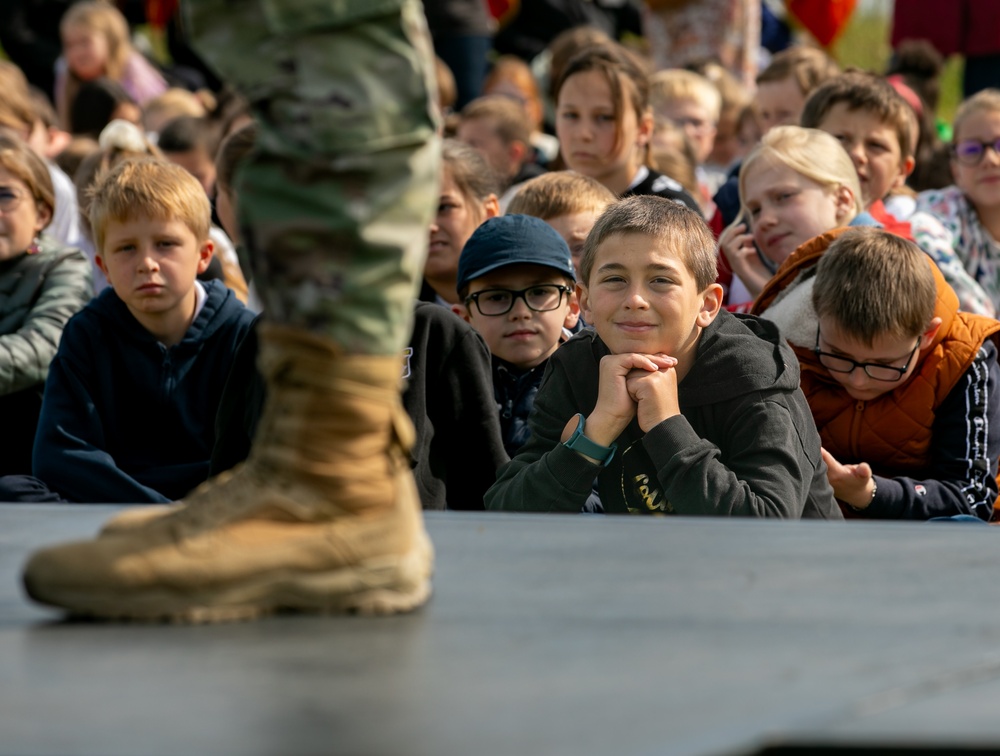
{"type": "Point", "coordinates": [901, 384]}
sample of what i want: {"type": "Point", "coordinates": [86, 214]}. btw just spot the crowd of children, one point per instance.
{"type": "Point", "coordinates": [646, 292]}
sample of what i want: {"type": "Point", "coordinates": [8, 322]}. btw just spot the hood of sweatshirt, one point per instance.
{"type": "Point", "coordinates": [738, 355]}
{"type": "Point", "coordinates": [219, 301]}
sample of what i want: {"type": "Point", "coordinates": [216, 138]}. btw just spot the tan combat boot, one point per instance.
{"type": "Point", "coordinates": [323, 516]}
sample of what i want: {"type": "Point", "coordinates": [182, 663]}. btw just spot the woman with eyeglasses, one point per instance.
{"type": "Point", "coordinates": [970, 208]}
{"type": "Point", "coordinates": [42, 285]}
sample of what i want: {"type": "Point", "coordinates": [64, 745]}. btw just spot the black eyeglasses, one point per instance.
{"type": "Point", "coordinates": [971, 151]}
{"type": "Point", "coordinates": [874, 370]}
{"type": "Point", "coordinates": [541, 298]}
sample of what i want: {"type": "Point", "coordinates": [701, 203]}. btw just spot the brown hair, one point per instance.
{"type": "Point", "coordinates": [171, 104]}
{"type": "Point", "coordinates": [566, 46]}
{"type": "Point", "coordinates": [510, 68]}
{"type": "Point", "coordinates": [809, 67]}
{"type": "Point", "coordinates": [148, 188]}
{"type": "Point", "coordinates": [868, 92]}
{"type": "Point", "coordinates": [676, 160]}
{"type": "Point", "coordinates": [17, 109]}
{"type": "Point", "coordinates": [469, 170]}
{"type": "Point", "coordinates": [446, 86]}
{"type": "Point", "coordinates": [625, 73]}
{"type": "Point", "coordinates": [875, 284]}
{"type": "Point", "coordinates": [669, 222]}
{"type": "Point", "coordinates": [560, 193]}
{"type": "Point", "coordinates": [507, 118]}
{"type": "Point", "coordinates": [19, 160]}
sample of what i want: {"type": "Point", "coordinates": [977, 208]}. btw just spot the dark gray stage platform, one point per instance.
{"type": "Point", "coordinates": [547, 635]}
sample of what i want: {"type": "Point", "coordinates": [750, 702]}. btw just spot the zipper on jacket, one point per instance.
{"type": "Point", "coordinates": [859, 408]}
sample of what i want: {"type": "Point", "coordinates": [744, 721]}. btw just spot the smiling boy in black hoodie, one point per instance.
{"type": "Point", "coordinates": [674, 405]}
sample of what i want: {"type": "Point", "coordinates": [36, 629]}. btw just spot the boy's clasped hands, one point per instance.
{"type": "Point", "coordinates": [631, 385]}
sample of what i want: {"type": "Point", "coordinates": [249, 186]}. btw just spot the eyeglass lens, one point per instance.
{"type": "Point", "coordinates": [501, 301]}
{"type": "Point", "coordinates": [843, 365]}
{"type": "Point", "coordinates": [971, 151]}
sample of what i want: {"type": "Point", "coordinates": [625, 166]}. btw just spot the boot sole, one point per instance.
{"type": "Point", "coordinates": [375, 587]}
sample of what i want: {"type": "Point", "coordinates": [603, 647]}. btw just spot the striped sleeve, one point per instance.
{"type": "Point", "coordinates": [961, 476]}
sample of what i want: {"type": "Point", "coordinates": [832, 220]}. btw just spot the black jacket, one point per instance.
{"type": "Point", "coordinates": [126, 419]}
{"type": "Point", "coordinates": [515, 392]}
{"type": "Point", "coordinates": [744, 445]}
{"type": "Point", "coordinates": [448, 396]}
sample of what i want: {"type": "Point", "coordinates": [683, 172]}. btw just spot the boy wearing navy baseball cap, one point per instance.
{"type": "Point", "coordinates": [516, 284]}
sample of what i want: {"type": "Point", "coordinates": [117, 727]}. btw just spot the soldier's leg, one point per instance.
{"type": "Point", "coordinates": [336, 203]}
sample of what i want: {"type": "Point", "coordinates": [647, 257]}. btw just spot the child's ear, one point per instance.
{"type": "Point", "coordinates": [645, 128]}
{"type": "Point", "coordinates": [205, 252]}
{"type": "Point", "coordinates": [462, 311]}
{"type": "Point", "coordinates": [100, 264]}
{"type": "Point", "coordinates": [905, 169]}
{"type": "Point", "coordinates": [844, 199]}
{"type": "Point", "coordinates": [43, 215]}
{"type": "Point", "coordinates": [573, 314]}
{"type": "Point", "coordinates": [517, 151]}
{"type": "Point", "coordinates": [711, 303]}
{"type": "Point", "coordinates": [908, 165]}
{"type": "Point", "coordinates": [492, 206]}
{"type": "Point", "coordinates": [930, 333]}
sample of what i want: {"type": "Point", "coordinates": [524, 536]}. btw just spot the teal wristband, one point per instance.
{"type": "Point", "coordinates": [579, 442]}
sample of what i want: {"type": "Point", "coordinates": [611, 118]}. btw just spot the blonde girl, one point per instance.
{"type": "Point", "coordinates": [96, 43]}
{"type": "Point", "coordinates": [796, 184]}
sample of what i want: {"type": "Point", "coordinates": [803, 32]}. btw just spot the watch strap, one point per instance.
{"type": "Point", "coordinates": [580, 443]}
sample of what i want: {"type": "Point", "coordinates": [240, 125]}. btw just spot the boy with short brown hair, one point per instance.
{"type": "Point", "coordinates": [673, 405]}
{"type": "Point", "coordinates": [900, 382]}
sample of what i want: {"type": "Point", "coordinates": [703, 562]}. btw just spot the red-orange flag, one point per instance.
{"type": "Point", "coordinates": [824, 19]}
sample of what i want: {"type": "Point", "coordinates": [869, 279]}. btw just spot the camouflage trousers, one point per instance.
{"type": "Point", "coordinates": [336, 202]}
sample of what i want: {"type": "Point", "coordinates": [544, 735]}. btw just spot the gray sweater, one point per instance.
{"type": "Point", "coordinates": [38, 294]}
